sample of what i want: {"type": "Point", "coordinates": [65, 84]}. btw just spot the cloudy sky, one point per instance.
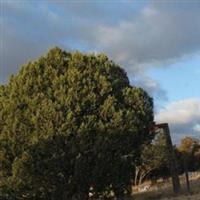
{"type": "Point", "coordinates": [156, 42]}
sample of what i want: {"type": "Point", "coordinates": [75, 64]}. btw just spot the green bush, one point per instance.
{"type": "Point", "coordinates": [70, 124]}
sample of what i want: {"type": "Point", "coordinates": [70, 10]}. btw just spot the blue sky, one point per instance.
{"type": "Point", "coordinates": [180, 80]}
{"type": "Point", "coordinates": [156, 42]}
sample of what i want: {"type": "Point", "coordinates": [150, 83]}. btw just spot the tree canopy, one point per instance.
{"type": "Point", "coordinates": [70, 124]}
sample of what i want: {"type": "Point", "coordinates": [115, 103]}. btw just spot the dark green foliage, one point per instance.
{"type": "Point", "coordinates": [69, 124]}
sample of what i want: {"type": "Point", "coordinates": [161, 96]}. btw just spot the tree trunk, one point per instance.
{"type": "Point", "coordinates": [142, 176]}
{"type": "Point", "coordinates": [136, 176]}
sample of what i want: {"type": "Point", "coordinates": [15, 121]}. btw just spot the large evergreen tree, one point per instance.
{"type": "Point", "coordinates": [70, 124]}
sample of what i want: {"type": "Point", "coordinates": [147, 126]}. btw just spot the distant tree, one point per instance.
{"type": "Point", "coordinates": [70, 124]}
{"type": "Point", "coordinates": [190, 150]}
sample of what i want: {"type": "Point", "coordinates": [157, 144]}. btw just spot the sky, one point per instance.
{"type": "Point", "coordinates": [156, 42]}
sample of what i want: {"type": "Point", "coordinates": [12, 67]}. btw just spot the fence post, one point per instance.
{"type": "Point", "coordinates": [186, 172]}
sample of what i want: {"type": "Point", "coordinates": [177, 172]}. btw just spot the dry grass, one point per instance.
{"type": "Point", "coordinates": [164, 192]}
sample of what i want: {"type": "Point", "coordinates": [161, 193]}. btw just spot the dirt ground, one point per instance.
{"type": "Point", "coordinates": [164, 192]}
{"type": "Point", "coordinates": [184, 197]}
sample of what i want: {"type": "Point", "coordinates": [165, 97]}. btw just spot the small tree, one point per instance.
{"type": "Point", "coordinates": [153, 157]}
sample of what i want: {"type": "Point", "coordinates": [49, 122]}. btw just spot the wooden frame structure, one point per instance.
{"type": "Point", "coordinates": [171, 155]}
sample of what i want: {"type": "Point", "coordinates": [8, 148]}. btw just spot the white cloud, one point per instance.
{"type": "Point", "coordinates": [183, 117]}
{"type": "Point", "coordinates": [180, 112]}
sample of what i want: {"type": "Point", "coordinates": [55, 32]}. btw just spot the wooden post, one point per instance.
{"type": "Point", "coordinates": [171, 157]}
{"type": "Point", "coordinates": [186, 172]}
